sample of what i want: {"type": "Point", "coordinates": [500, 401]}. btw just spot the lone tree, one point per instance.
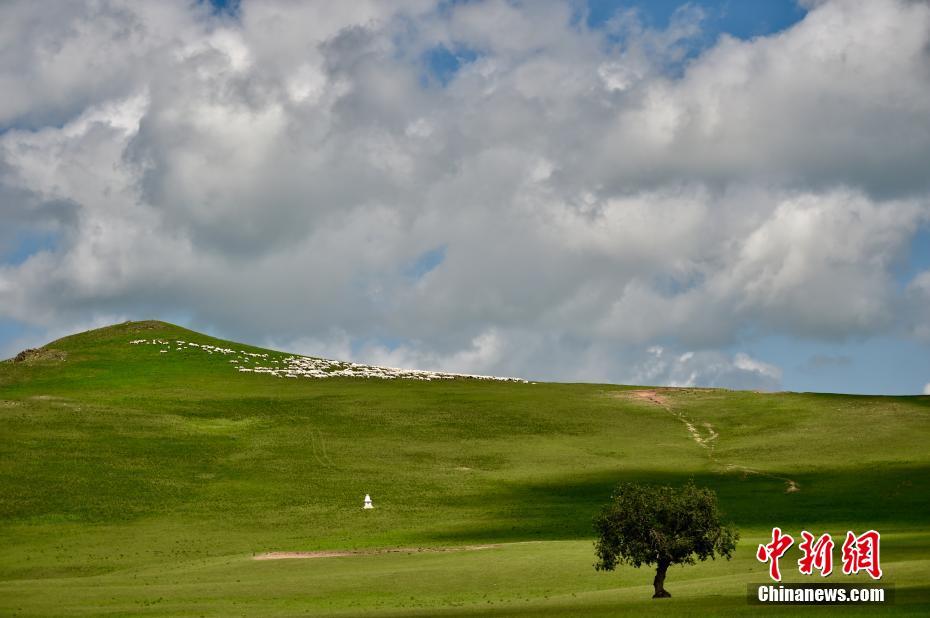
{"type": "Point", "coordinates": [661, 526]}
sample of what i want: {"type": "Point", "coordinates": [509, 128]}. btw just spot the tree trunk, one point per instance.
{"type": "Point", "coordinates": [659, 582]}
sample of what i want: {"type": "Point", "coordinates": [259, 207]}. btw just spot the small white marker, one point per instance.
{"type": "Point", "coordinates": [368, 504]}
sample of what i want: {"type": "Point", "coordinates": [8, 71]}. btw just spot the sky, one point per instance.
{"type": "Point", "coordinates": [716, 193]}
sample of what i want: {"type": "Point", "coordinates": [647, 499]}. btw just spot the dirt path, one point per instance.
{"type": "Point", "coordinates": [705, 435]}
{"type": "Point", "coordinates": [791, 486]}
{"type": "Point", "coordinates": [305, 555]}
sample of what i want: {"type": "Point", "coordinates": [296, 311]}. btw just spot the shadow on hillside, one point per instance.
{"type": "Point", "coordinates": [563, 508]}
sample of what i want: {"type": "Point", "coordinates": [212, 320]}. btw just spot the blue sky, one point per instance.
{"type": "Point", "coordinates": [739, 18]}
{"type": "Point", "coordinates": [483, 185]}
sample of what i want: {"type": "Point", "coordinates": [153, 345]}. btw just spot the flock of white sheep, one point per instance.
{"type": "Point", "coordinates": [291, 366]}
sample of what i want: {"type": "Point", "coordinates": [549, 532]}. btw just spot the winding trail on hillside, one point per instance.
{"type": "Point", "coordinates": [318, 447]}
{"type": "Point", "coordinates": [309, 555]}
{"type": "Point", "coordinates": [704, 434]}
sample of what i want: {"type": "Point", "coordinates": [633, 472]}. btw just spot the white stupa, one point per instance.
{"type": "Point", "coordinates": [368, 504]}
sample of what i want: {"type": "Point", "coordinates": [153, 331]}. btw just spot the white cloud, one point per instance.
{"type": "Point", "coordinates": [918, 299]}
{"type": "Point", "coordinates": [707, 368]}
{"type": "Point", "coordinates": [274, 176]}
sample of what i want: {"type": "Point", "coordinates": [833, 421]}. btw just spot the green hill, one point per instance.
{"type": "Point", "coordinates": [142, 479]}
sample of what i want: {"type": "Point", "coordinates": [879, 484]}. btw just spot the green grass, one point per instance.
{"type": "Point", "coordinates": [140, 483]}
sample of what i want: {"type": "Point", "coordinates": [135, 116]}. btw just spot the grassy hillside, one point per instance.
{"type": "Point", "coordinates": [140, 482]}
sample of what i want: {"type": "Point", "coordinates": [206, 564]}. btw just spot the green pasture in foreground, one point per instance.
{"type": "Point", "coordinates": [135, 482]}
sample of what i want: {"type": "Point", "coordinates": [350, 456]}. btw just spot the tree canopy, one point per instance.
{"type": "Point", "coordinates": [662, 526]}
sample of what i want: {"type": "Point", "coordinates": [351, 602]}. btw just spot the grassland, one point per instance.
{"type": "Point", "coordinates": [134, 482]}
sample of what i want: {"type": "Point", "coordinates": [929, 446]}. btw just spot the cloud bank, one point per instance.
{"type": "Point", "coordinates": [547, 199]}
